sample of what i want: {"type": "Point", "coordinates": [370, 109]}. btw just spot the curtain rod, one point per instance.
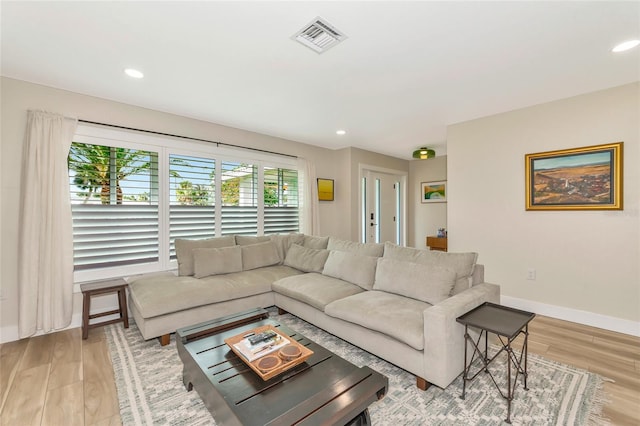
{"type": "Point", "coordinates": [187, 137]}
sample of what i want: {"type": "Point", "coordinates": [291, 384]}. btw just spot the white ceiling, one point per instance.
{"type": "Point", "coordinates": [406, 71]}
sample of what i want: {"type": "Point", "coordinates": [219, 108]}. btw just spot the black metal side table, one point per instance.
{"type": "Point", "coordinates": [506, 323]}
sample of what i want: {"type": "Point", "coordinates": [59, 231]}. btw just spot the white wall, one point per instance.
{"type": "Point", "coordinates": [425, 218]}
{"type": "Point", "coordinates": [587, 262]}
{"type": "Point", "coordinates": [19, 96]}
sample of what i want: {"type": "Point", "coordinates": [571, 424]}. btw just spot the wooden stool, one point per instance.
{"type": "Point", "coordinates": [101, 287]}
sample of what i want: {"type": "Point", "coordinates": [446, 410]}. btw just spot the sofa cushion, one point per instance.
{"type": "Point", "coordinates": [396, 316]}
{"type": "Point", "coordinates": [462, 263]}
{"type": "Point", "coordinates": [185, 256]}
{"type": "Point", "coordinates": [214, 261]}
{"type": "Point", "coordinates": [306, 259]}
{"type": "Point", "coordinates": [356, 269]}
{"type": "Point", "coordinates": [427, 283]}
{"type": "Point", "coordinates": [245, 240]}
{"type": "Point", "coordinates": [364, 249]}
{"type": "Point", "coordinates": [159, 295]}
{"type": "Point", "coordinates": [314, 242]}
{"type": "Point", "coordinates": [283, 243]}
{"type": "Point", "coordinates": [315, 289]}
{"type": "Point", "coordinates": [264, 277]}
{"type": "Point", "coordinates": [259, 255]}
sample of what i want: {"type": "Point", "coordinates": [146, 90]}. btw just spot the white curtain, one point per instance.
{"type": "Point", "coordinates": [45, 256]}
{"type": "Point", "coordinates": [308, 198]}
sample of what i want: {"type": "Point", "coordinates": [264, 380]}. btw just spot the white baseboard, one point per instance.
{"type": "Point", "coordinates": [574, 315]}
{"type": "Point", "coordinates": [8, 333]}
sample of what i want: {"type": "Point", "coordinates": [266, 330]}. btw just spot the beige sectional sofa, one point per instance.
{"type": "Point", "coordinates": [398, 303]}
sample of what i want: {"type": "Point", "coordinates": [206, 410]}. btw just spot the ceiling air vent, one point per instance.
{"type": "Point", "coordinates": [319, 35]}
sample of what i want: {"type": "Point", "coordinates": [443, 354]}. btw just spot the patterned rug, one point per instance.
{"type": "Point", "coordinates": [150, 390]}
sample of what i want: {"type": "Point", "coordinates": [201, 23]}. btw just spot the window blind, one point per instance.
{"type": "Point", "coordinates": [192, 198]}
{"type": "Point", "coordinates": [114, 205]}
{"type": "Point", "coordinates": [130, 204]}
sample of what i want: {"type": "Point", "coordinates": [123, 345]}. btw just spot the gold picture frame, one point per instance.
{"type": "Point", "coordinates": [587, 178]}
{"type": "Point", "coordinates": [325, 189]}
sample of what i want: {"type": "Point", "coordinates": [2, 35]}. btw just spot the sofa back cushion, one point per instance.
{"type": "Point", "coordinates": [306, 259]}
{"type": "Point", "coordinates": [259, 255]}
{"type": "Point", "coordinates": [426, 283]}
{"type": "Point", "coordinates": [214, 261]}
{"type": "Point", "coordinates": [314, 242]}
{"type": "Point", "coordinates": [351, 267]}
{"type": "Point", "coordinates": [184, 250]}
{"type": "Point", "coordinates": [364, 249]}
{"type": "Point", "coordinates": [245, 240]}
{"type": "Point", "coordinates": [462, 263]}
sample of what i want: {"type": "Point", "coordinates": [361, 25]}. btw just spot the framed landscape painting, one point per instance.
{"type": "Point", "coordinates": [433, 192]}
{"type": "Point", "coordinates": [588, 178]}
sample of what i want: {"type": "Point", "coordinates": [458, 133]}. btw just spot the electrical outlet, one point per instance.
{"type": "Point", "coordinates": [531, 274]}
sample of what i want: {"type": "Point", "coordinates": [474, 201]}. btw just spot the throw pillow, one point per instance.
{"type": "Point", "coordinates": [364, 249]}
{"type": "Point", "coordinates": [429, 284]}
{"type": "Point", "coordinates": [306, 259]}
{"type": "Point", "coordinates": [351, 267]}
{"type": "Point", "coordinates": [184, 248]}
{"type": "Point", "coordinates": [259, 255]}
{"type": "Point", "coordinates": [214, 261]}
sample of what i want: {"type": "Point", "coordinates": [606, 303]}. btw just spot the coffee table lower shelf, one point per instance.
{"type": "Point", "coordinates": [324, 390]}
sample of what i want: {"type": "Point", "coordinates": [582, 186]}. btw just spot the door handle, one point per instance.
{"type": "Point", "coordinates": [373, 224]}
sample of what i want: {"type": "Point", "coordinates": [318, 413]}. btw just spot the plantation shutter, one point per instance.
{"type": "Point", "coordinates": [239, 199]}
{"type": "Point", "coordinates": [114, 205]}
{"type": "Point", "coordinates": [192, 199]}
{"type": "Point", "coordinates": [280, 201]}
{"type": "Point", "coordinates": [126, 221]}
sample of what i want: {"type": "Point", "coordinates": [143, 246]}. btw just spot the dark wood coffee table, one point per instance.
{"type": "Point", "coordinates": [323, 390]}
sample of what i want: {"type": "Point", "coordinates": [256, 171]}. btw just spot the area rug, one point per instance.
{"type": "Point", "coordinates": [150, 390]}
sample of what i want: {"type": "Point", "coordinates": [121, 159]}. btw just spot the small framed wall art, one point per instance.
{"type": "Point", "coordinates": [325, 189]}
{"type": "Point", "coordinates": [587, 178]}
{"type": "Point", "coordinates": [433, 192]}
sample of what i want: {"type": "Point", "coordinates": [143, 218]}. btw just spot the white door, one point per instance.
{"type": "Point", "coordinates": [382, 201]}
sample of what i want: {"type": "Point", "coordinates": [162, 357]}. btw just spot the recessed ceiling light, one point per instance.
{"type": "Point", "coordinates": [629, 44]}
{"type": "Point", "coordinates": [133, 73]}
{"type": "Point", "coordinates": [341, 132]}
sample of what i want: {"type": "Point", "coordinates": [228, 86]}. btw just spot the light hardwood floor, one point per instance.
{"type": "Point", "coordinates": [60, 379]}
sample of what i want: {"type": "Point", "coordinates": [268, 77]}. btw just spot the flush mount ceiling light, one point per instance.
{"type": "Point", "coordinates": [341, 132]}
{"type": "Point", "coordinates": [423, 153]}
{"type": "Point", "coordinates": [629, 44]}
{"type": "Point", "coordinates": [319, 35]}
{"type": "Point", "coordinates": [133, 73]}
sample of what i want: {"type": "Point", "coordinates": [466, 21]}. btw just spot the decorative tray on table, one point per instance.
{"type": "Point", "coordinates": [268, 351]}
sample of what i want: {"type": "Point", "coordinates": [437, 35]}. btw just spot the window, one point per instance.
{"type": "Point", "coordinates": [238, 191]}
{"type": "Point", "coordinates": [280, 200]}
{"type": "Point", "coordinates": [114, 202]}
{"type": "Point", "coordinates": [191, 198]}
{"type": "Point", "coordinates": [132, 195]}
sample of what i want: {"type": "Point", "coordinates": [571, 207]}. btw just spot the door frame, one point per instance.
{"type": "Point", "coordinates": [404, 178]}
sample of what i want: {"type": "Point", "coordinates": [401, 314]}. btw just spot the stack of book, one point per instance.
{"type": "Point", "coordinates": [254, 346]}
